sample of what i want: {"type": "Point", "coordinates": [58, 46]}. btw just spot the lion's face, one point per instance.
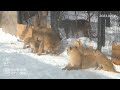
{"type": "Point", "coordinates": [72, 50]}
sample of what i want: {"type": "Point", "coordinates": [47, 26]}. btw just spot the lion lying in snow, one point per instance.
{"type": "Point", "coordinates": [88, 60]}
{"type": "Point", "coordinates": [83, 58]}
{"type": "Point", "coordinates": [75, 59]}
{"type": "Point", "coordinates": [78, 60]}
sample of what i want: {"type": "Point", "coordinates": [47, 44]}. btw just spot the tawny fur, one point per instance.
{"type": "Point", "coordinates": [20, 30]}
{"type": "Point", "coordinates": [74, 59]}
{"type": "Point", "coordinates": [88, 60]}
{"type": "Point", "coordinates": [49, 41]}
{"type": "Point", "coordinates": [115, 61]}
{"type": "Point", "coordinates": [103, 62]}
{"type": "Point", "coordinates": [27, 36]}
{"type": "Point", "coordinates": [116, 53]}
{"type": "Point", "coordinates": [115, 45]}
{"type": "Point", "coordinates": [42, 40]}
{"type": "Point", "coordinates": [116, 50]}
{"type": "Point", "coordinates": [24, 31]}
{"type": "Point", "coordinates": [34, 45]}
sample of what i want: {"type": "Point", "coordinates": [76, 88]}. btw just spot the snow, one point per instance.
{"type": "Point", "coordinates": [18, 63]}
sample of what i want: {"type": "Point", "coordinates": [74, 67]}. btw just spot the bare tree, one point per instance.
{"type": "Point", "coordinates": [55, 15]}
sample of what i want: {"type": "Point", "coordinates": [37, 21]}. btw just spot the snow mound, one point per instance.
{"type": "Point", "coordinates": [6, 37]}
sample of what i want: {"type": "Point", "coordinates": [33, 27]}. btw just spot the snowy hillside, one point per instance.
{"type": "Point", "coordinates": [17, 63]}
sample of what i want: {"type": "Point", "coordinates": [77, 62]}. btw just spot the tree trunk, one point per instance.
{"type": "Point", "coordinates": [40, 19]}
{"type": "Point", "coordinates": [19, 17]}
{"type": "Point", "coordinates": [89, 33]}
{"type": "Point", "coordinates": [103, 31]}
{"type": "Point", "coordinates": [107, 19]}
{"type": "Point", "coordinates": [54, 20]}
{"type": "Point", "coordinates": [99, 32]}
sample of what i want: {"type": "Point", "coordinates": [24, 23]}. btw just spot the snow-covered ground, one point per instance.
{"type": "Point", "coordinates": [18, 63]}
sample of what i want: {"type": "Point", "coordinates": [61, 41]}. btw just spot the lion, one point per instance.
{"type": "Point", "coordinates": [78, 44]}
{"type": "Point", "coordinates": [115, 45]}
{"type": "Point", "coordinates": [88, 60]}
{"type": "Point", "coordinates": [44, 39]}
{"type": "Point", "coordinates": [75, 59]}
{"type": "Point", "coordinates": [34, 45]}
{"type": "Point", "coordinates": [103, 62]}
{"type": "Point", "coordinates": [24, 33]}
{"type": "Point", "coordinates": [115, 61]}
{"type": "Point", "coordinates": [116, 53]}
{"type": "Point", "coordinates": [49, 42]}
{"type": "Point", "coordinates": [21, 30]}
{"type": "Point", "coordinates": [115, 50]}
{"type": "Point", "coordinates": [27, 36]}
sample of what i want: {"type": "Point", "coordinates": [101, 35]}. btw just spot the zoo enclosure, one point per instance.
{"type": "Point", "coordinates": [100, 21]}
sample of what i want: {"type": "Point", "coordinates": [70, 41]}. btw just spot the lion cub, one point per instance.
{"type": "Point", "coordinates": [103, 62]}
{"type": "Point", "coordinates": [74, 59]}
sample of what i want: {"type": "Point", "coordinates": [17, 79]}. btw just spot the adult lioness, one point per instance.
{"type": "Point", "coordinates": [21, 31]}
{"type": "Point", "coordinates": [88, 60]}
{"type": "Point", "coordinates": [34, 46]}
{"type": "Point", "coordinates": [27, 36]}
{"type": "Point", "coordinates": [75, 59]}
{"type": "Point", "coordinates": [49, 41]}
